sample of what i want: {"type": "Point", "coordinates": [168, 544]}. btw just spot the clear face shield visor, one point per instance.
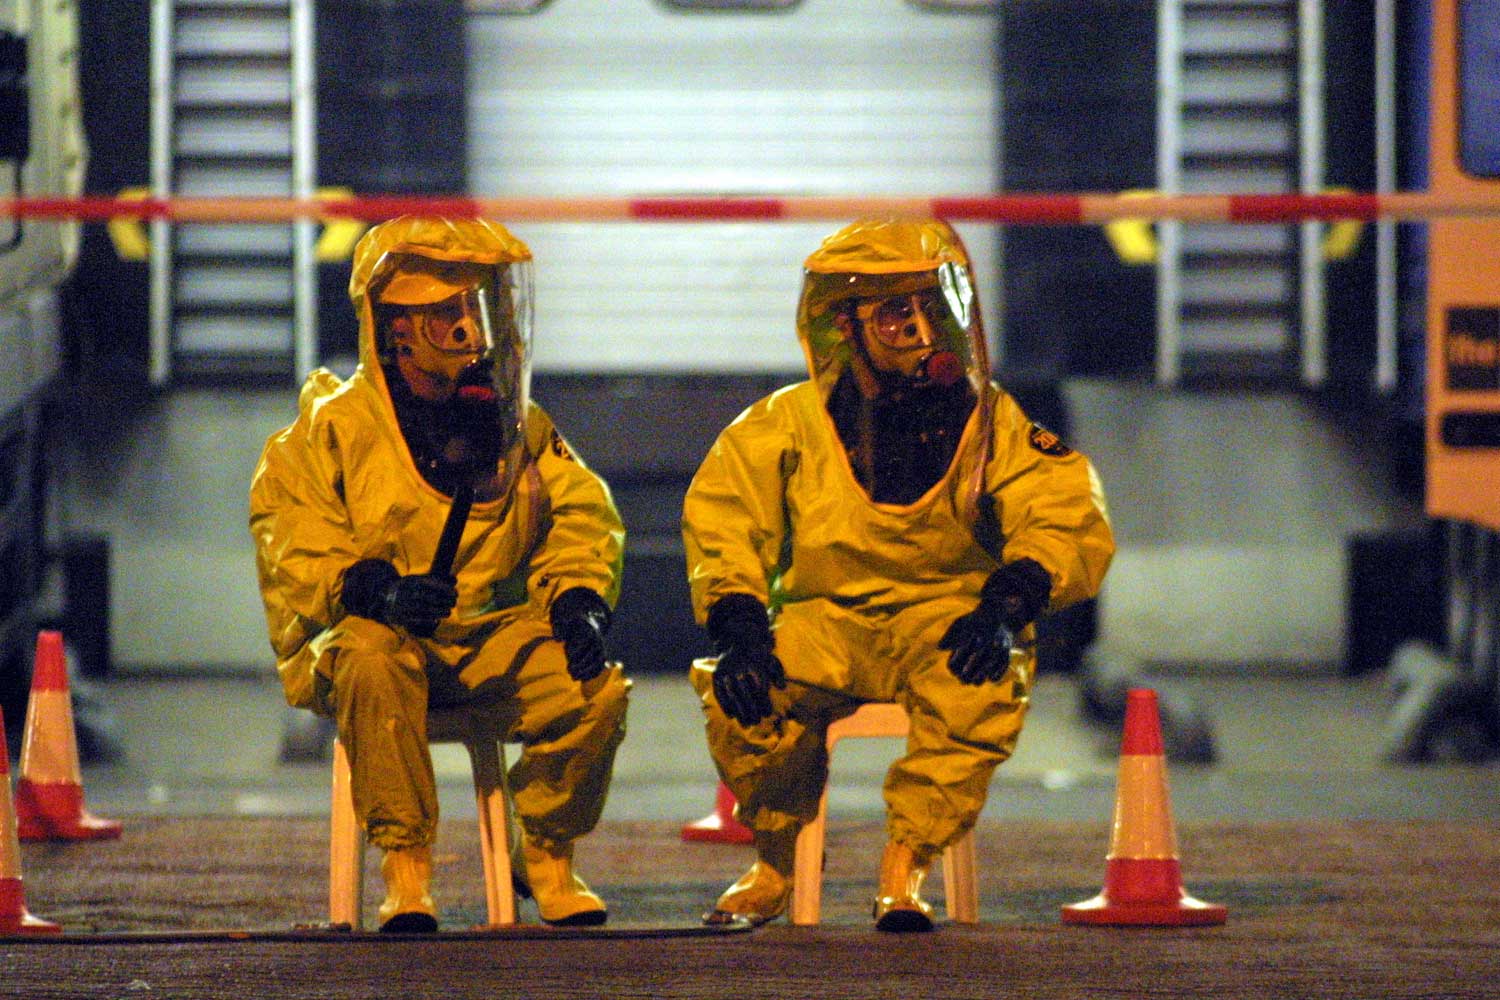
{"type": "Point", "coordinates": [919, 334]}
{"type": "Point", "coordinates": [461, 324]}
{"type": "Point", "coordinates": [437, 321]}
{"type": "Point", "coordinates": [454, 337]}
{"type": "Point", "coordinates": [902, 332]}
{"type": "Point", "coordinates": [434, 342]}
{"type": "Point", "coordinates": [907, 328]}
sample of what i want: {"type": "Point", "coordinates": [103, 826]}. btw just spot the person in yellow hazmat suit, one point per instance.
{"type": "Point", "coordinates": [887, 530]}
{"type": "Point", "coordinates": [371, 625]}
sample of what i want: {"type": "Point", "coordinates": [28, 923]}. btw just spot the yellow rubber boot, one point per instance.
{"type": "Point", "coordinates": [563, 898]}
{"type": "Point", "coordinates": [899, 906]}
{"type": "Point", "coordinates": [763, 892]}
{"type": "Point", "coordinates": [408, 906]}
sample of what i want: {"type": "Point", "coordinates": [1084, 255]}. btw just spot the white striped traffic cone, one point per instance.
{"type": "Point", "coordinates": [14, 917]}
{"type": "Point", "coordinates": [1142, 876]}
{"type": "Point", "coordinates": [49, 792]}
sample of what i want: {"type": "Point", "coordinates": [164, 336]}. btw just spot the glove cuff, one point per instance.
{"type": "Point", "coordinates": [739, 620]}
{"type": "Point", "coordinates": [579, 602]}
{"type": "Point", "coordinates": [1020, 590]}
{"type": "Point", "coordinates": [364, 588]}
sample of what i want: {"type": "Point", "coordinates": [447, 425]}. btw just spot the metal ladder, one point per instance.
{"type": "Point", "coordinates": [1239, 110]}
{"type": "Point", "coordinates": [232, 115]}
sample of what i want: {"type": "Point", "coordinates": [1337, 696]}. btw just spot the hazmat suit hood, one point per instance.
{"type": "Point", "coordinates": [908, 423]}
{"type": "Point", "coordinates": [875, 258]}
{"type": "Point", "coordinates": [474, 426]}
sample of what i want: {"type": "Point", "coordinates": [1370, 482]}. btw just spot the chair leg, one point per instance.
{"type": "Point", "coordinates": [807, 868]}
{"type": "Point", "coordinates": [346, 849]}
{"type": "Point", "coordinates": [961, 881]}
{"type": "Point", "coordinates": [488, 762]}
{"type": "Point", "coordinates": [960, 865]}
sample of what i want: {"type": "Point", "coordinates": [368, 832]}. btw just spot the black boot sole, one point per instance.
{"type": "Point", "coordinates": [588, 918]}
{"type": "Point", "coordinates": [410, 923]}
{"type": "Point", "coordinates": [904, 922]}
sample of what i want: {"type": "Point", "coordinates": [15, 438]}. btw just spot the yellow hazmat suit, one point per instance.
{"type": "Point", "coordinates": [340, 486]}
{"type": "Point", "coordinates": [862, 591]}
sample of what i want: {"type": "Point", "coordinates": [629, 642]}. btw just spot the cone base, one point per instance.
{"type": "Point", "coordinates": [27, 924]}
{"type": "Point", "coordinates": [55, 811]}
{"type": "Point", "coordinates": [1144, 892]}
{"type": "Point", "coordinates": [716, 829]}
{"type": "Point", "coordinates": [15, 918]}
{"type": "Point", "coordinates": [719, 826]}
{"type": "Point", "coordinates": [85, 827]}
{"type": "Point", "coordinates": [1184, 911]}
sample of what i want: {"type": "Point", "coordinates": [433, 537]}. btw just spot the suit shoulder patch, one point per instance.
{"type": "Point", "coordinates": [560, 447]}
{"type": "Point", "coordinates": [1047, 442]}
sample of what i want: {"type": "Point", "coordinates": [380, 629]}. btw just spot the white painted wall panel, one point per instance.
{"type": "Point", "coordinates": [626, 97]}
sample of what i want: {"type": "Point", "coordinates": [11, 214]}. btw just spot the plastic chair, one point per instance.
{"type": "Point", "coordinates": [960, 869]}
{"type": "Point", "coordinates": [346, 856]}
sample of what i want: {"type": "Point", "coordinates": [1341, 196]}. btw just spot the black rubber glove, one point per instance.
{"type": "Point", "coordinates": [416, 602]}
{"type": "Point", "coordinates": [748, 667]}
{"type": "Point", "coordinates": [580, 620]}
{"type": "Point", "coordinates": [980, 642]}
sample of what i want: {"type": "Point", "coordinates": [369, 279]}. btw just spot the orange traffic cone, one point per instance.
{"type": "Point", "coordinates": [14, 917]}
{"type": "Point", "coordinates": [1142, 878]}
{"type": "Point", "coordinates": [49, 793]}
{"type": "Point", "coordinates": [719, 826]}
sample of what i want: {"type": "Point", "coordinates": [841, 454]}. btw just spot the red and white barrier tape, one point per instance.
{"type": "Point", "coordinates": [1014, 209]}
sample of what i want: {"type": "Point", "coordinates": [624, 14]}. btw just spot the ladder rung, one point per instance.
{"type": "Point", "coordinates": [232, 311]}
{"type": "Point", "coordinates": [221, 161]}
{"type": "Point", "coordinates": [230, 108]}
{"type": "Point", "coordinates": [1214, 83]}
{"type": "Point", "coordinates": [1232, 260]}
{"type": "Point", "coordinates": [233, 180]}
{"type": "Point", "coordinates": [1200, 61]}
{"type": "Point", "coordinates": [1220, 7]}
{"type": "Point", "coordinates": [1254, 31]}
{"type": "Point", "coordinates": [1217, 289]}
{"type": "Point", "coordinates": [234, 240]}
{"type": "Point", "coordinates": [251, 80]}
{"type": "Point", "coordinates": [220, 67]}
{"type": "Point", "coordinates": [234, 47]}
{"type": "Point", "coordinates": [1237, 108]}
{"type": "Point", "coordinates": [260, 143]}
{"type": "Point", "coordinates": [240, 330]}
{"type": "Point", "coordinates": [229, 30]}
{"type": "Point", "coordinates": [1238, 159]}
{"type": "Point", "coordinates": [1218, 136]}
{"type": "Point", "coordinates": [206, 286]}
{"type": "Point", "coordinates": [1241, 340]}
{"type": "Point", "coordinates": [1234, 316]}
{"type": "Point", "coordinates": [231, 6]}
{"type": "Point", "coordinates": [1276, 178]}
{"type": "Point", "coordinates": [245, 259]}
{"type": "Point", "coordinates": [1232, 237]}
{"type": "Point", "coordinates": [1225, 367]}
{"type": "Point", "coordinates": [209, 367]}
